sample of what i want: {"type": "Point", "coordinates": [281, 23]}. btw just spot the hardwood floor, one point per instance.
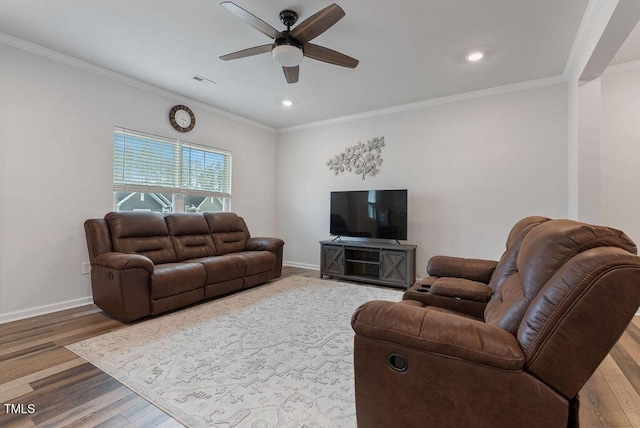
{"type": "Point", "coordinates": [50, 386]}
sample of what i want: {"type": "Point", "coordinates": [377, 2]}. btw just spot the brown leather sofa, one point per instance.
{"type": "Point", "coordinates": [466, 285]}
{"type": "Point", "coordinates": [146, 263]}
{"type": "Point", "coordinates": [522, 363]}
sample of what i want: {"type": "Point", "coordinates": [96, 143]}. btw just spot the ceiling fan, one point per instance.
{"type": "Point", "coordinates": [291, 45]}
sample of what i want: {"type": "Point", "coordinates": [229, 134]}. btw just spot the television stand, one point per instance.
{"type": "Point", "coordinates": [393, 265]}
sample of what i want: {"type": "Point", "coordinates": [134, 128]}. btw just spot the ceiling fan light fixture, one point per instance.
{"type": "Point", "coordinates": [287, 55]}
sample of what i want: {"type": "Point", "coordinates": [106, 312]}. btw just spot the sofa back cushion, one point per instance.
{"type": "Point", "coordinates": [544, 250]}
{"type": "Point", "coordinates": [145, 233]}
{"type": "Point", "coordinates": [507, 263]}
{"type": "Point", "coordinates": [229, 232]}
{"type": "Point", "coordinates": [190, 235]}
{"type": "Point", "coordinates": [577, 317]}
{"type": "Point", "coordinates": [98, 237]}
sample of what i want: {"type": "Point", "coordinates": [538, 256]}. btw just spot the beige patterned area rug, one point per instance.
{"type": "Point", "coordinates": [279, 355]}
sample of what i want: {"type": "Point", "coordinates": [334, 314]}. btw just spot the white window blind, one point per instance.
{"type": "Point", "coordinates": [205, 171]}
{"type": "Point", "coordinates": [149, 163]}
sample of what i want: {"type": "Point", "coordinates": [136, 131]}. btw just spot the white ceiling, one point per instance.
{"type": "Point", "coordinates": [409, 51]}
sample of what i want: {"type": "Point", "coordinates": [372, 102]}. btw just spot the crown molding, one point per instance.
{"type": "Point", "coordinates": [112, 75]}
{"type": "Point", "coordinates": [625, 66]}
{"type": "Point", "coordinates": [430, 103]}
{"type": "Point", "coordinates": [121, 78]}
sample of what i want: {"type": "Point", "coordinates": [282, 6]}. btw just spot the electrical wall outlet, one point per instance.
{"type": "Point", "coordinates": [85, 268]}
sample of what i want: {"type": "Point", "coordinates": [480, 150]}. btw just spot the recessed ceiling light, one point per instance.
{"type": "Point", "coordinates": [475, 56]}
{"type": "Point", "coordinates": [287, 103]}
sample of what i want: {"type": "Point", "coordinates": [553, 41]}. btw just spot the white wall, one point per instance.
{"type": "Point", "coordinates": [56, 148]}
{"type": "Point", "coordinates": [4, 162]}
{"type": "Point", "coordinates": [580, 144]}
{"type": "Point", "coordinates": [472, 168]}
{"type": "Point", "coordinates": [588, 151]}
{"type": "Point", "coordinates": [621, 151]}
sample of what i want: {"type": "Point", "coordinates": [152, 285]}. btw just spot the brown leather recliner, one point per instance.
{"type": "Point", "coordinates": [466, 285]}
{"type": "Point", "coordinates": [575, 289]}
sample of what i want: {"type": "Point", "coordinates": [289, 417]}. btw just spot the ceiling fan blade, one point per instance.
{"type": "Point", "coordinates": [251, 19]}
{"type": "Point", "coordinates": [321, 53]}
{"type": "Point", "coordinates": [247, 52]}
{"type": "Point", "coordinates": [291, 73]}
{"type": "Point", "coordinates": [317, 24]}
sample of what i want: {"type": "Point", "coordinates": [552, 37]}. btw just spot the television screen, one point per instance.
{"type": "Point", "coordinates": [369, 214]}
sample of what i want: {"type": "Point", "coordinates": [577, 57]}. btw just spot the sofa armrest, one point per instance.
{"type": "Point", "coordinates": [473, 269]}
{"type": "Point", "coordinates": [120, 285]}
{"type": "Point", "coordinates": [264, 244]}
{"type": "Point", "coordinates": [463, 306]}
{"type": "Point", "coordinates": [121, 261]}
{"type": "Point", "coordinates": [439, 333]}
{"type": "Point", "coordinates": [461, 288]}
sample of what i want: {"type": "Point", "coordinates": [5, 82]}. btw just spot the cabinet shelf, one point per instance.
{"type": "Point", "coordinates": [376, 263]}
{"type": "Point", "coordinates": [361, 261]}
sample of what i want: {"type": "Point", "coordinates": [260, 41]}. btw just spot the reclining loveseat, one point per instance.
{"type": "Point", "coordinates": [573, 290]}
{"type": "Point", "coordinates": [466, 284]}
{"type": "Point", "coordinates": [146, 263]}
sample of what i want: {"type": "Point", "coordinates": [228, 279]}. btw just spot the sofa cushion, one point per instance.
{"type": "Point", "coordinates": [146, 233]}
{"type": "Point", "coordinates": [549, 246]}
{"type": "Point", "coordinates": [228, 231]}
{"type": "Point", "coordinates": [579, 314]}
{"type": "Point", "coordinates": [507, 264]}
{"type": "Point", "coordinates": [229, 242]}
{"type": "Point", "coordinates": [515, 234]}
{"type": "Point", "coordinates": [98, 237]}
{"type": "Point", "coordinates": [222, 268]}
{"type": "Point", "coordinates": [170, 279]}
{"type": "Point", "coordinates": [257, 261]}
{"type": "Point", "coordinates": [544, 250]}
{"type": "Point", "coordinates": [170, 303]}
{"type": "Point", "coordinates": [190, 235]}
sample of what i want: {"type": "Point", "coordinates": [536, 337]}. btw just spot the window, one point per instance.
{"type": "Point", "coordinates": [371, 204]}
{"type": "Point", "coordinates": [152, 173]}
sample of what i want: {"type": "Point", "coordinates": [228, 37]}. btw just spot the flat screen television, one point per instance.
{"type": "Point", "coordinates": [376, 214]}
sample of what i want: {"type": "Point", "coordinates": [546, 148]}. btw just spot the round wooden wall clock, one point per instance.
{"type": "Point", "coordinates": [182, 118]}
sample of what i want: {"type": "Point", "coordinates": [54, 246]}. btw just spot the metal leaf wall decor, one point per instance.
{"type": "Point", "coordinates": [362, 159]}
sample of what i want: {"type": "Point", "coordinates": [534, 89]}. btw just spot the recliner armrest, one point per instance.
{"type": "Point", "coordinates": [473, 269]}
{"type": "Point", "coordinates": [264, 244]}
{"type": "Point", "coordinates": [438, 332]}
{"type": "Point", "coordinates": [461, 288]}
{"type": "Point", "coordinates": [121, 261]}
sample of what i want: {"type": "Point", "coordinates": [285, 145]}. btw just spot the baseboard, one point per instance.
{"type": "Point", "coordinates": [301, 265]}
{"type": "Point", "coordinates": [70, 304]}
{"type": "Point", "coordinates": [43, 310]}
